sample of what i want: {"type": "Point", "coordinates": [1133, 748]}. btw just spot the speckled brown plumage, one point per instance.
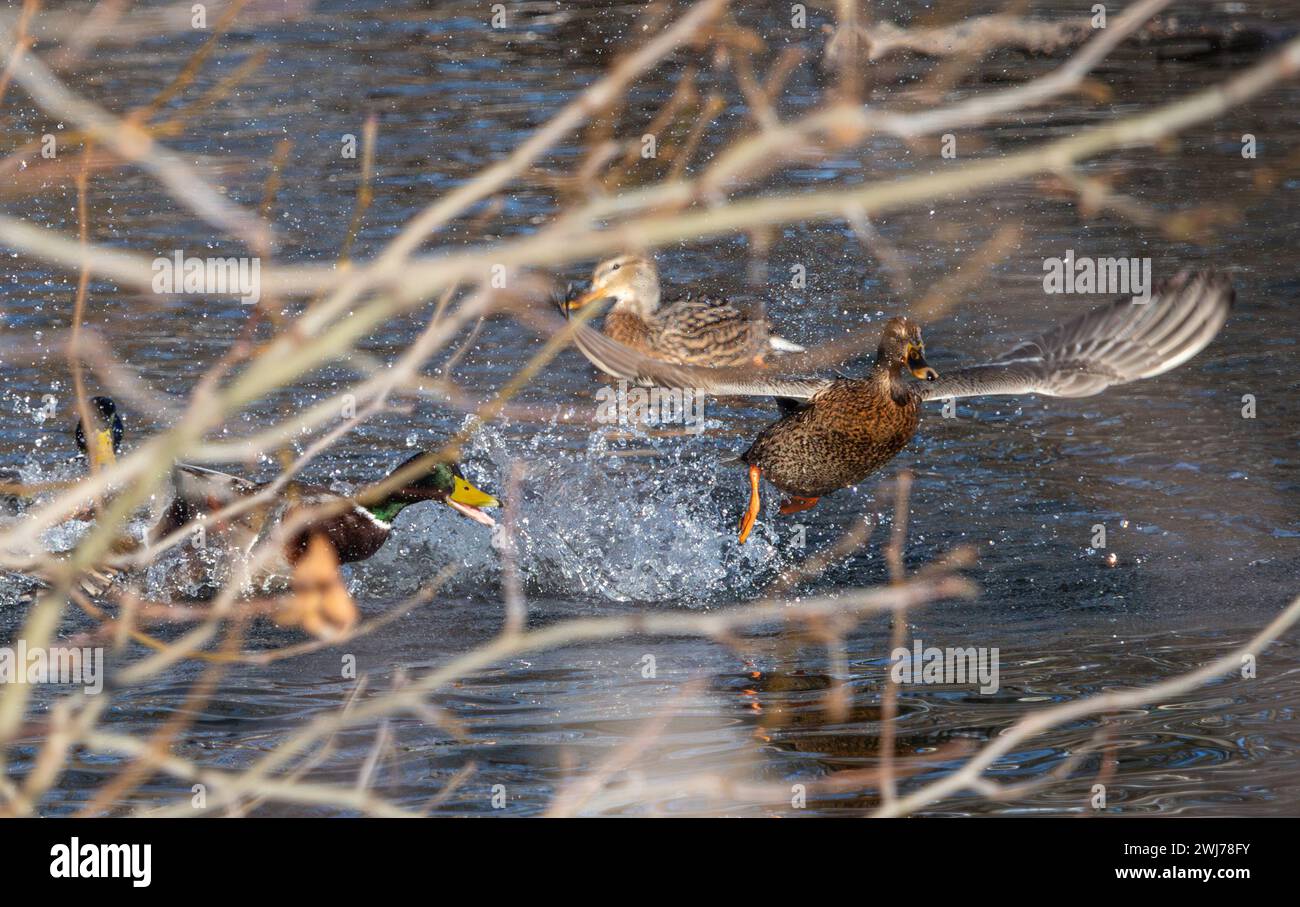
{"type": "Point", "coordinates": [696, 330]}
{"type": "Point", "coordinates": [845, 433]}
{"type": "Point", "coordinates": [709, 332]}
{"type": "Point", "coordinates": [836, 432]}
{"type": "Point", "coordinates": [629, 330]}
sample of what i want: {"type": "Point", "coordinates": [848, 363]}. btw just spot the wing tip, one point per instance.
{"type": "Point", "coordinates": [1196, 304]}
{"type": "Point", "coordinates": [1217, 284]}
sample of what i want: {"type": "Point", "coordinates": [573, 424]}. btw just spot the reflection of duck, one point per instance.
{"type": "Point", "coordinates": [98, 447]}
{"type": "Point", "coordinates": [835, 432]}
{"type": "Point", "coordinates": [692, 331]}
{"type": "Point", "coordinates": [355, 533]}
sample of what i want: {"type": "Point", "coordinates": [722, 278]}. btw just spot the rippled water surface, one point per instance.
{"type": "Point", "coordinates": [1200, 504]}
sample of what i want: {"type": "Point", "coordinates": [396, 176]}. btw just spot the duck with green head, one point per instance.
{"type": "Point", "coordinates": [356, 531]}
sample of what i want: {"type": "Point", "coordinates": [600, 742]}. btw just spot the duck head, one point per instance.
{"type": "Point", "coordinates": [901, 348]}
{"type": "Point", "coordinates": [632, 281]}
{"type": "Point", "coordinates": [103, 442]}
{"type": "Point", "coordinates": [441, 481]}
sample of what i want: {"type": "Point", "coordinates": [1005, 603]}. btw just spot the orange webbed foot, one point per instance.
{"type": "Point", "coordinates": [751, 512]}
{"type": "Point", "coordinates": [796, 504]}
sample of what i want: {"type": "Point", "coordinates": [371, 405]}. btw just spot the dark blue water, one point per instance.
{"type": "Point", "coordinates": [1200, 504]}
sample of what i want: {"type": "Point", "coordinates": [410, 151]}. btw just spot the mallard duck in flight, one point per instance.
{"type": "Point", "coordinates": [356, 532]}
{"type": "Point", "coordinates": [702, 331]}
{"type": "Point", "coordinates": [836, 432]}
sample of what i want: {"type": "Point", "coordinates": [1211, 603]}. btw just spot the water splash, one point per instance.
{"type": "Point", "coordinates": [630, 517]}
{"type": "Point", "coordinates": [644, 519]}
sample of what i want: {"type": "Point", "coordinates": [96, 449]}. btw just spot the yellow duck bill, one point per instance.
{"type": "Point", "coordinates": [101, 451]}
{"type": "Point", "coordinates": [468, 501]}
{"type": "Point", "coordinates": [585, 300]}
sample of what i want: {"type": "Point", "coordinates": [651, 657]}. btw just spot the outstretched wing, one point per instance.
{"type": "Point", "coordinates": [621, 361]}
{"type": "Point", "coordinates": [1114, 344]}
{"type": "Point", "coordinates": [198, 483]}
{"type": "Point", "coordinates": [196, 490]}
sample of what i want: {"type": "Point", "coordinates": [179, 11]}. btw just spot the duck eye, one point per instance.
{"type": "Point", "coordinates": [615, 266]}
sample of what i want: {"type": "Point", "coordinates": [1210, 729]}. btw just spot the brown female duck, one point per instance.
{"type": "Point", "coordinates": [836, 432]}
{"type": "Point", "coordinates": [703, 331]}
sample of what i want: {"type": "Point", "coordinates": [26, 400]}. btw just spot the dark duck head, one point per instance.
{"type": "Point", "coordinates": [438, 480]}
{"type": "Point", "coordinates": [901, 347]}
{"type": "Point", "coordinates": [103, 442]}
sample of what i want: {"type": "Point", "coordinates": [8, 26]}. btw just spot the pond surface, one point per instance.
{"type": "Point", "coordinates": [1201, 505]}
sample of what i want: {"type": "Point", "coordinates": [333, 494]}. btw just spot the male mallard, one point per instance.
{"type": "Point", "coordinates": [102, 444]}
{"type": "Point", "coordinates": [693, 331]}
{"type": "Point", "coordinates": [837, 431]}
{"type": "Point", "coordinates": [99, 447]}
{"type": "Point", "coordinates": [355, 533]}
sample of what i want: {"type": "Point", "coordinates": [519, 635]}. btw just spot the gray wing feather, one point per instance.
{"type": "Point", "coordinates": [200, 483]}
{"type": "Point", "coordinates": [1114, 344]}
